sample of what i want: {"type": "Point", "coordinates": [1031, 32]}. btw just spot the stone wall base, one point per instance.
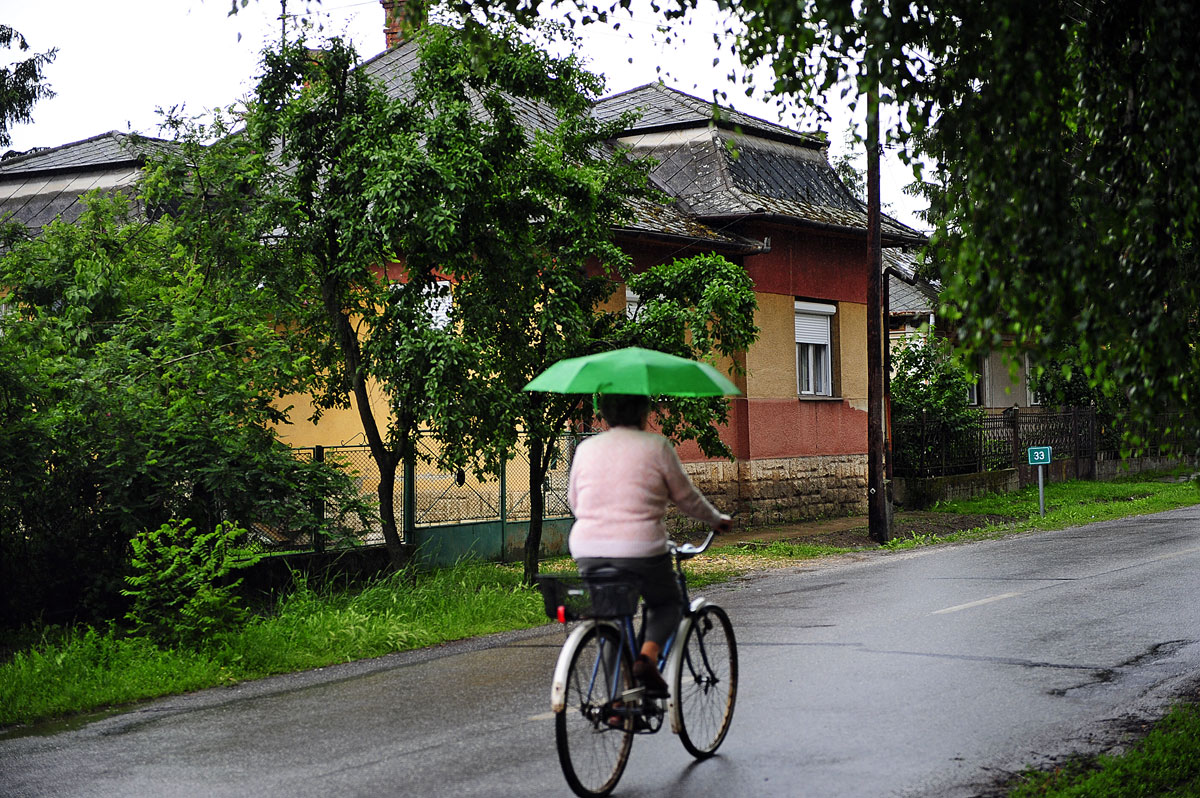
{"type": "Point", "coordinates": [916, 494]}
{"type": "Point", "coordinates": [1114, 469]}
{"type": "Point", "coordinates": [783, 490]}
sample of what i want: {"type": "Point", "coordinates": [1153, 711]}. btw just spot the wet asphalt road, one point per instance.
{"type": "Point", "coordinates": [929, 672]}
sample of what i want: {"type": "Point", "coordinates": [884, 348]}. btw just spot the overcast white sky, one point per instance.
{"type": "Point", "coordinates": [120, 60]}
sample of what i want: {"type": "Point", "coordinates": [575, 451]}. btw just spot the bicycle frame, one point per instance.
{"type": "Point", "coordinates": [624, 627]}
{"type": "Point", "coordinates": [675, 660]}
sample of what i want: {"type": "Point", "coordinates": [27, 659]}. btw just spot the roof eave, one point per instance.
{"type": "Point", "coordinates": [725, 245]}
{"type": "Point", "coordinates": [888, 239]}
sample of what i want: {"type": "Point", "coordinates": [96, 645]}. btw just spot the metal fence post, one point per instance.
{"type": "Point", "coordinates": [1075, 438]}
{"type": "Point", "coordinates": [318, 536]}
{"type": "Point", "coordinates": [408, 498]}
{"type": "Point", "coordinates": [924, 442]}
{"type": "Point", "coordinates": [504, 507]}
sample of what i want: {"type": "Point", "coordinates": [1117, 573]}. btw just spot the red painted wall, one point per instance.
{"type": "Point", "coordinates": [775, 428]}
{"type": "Point", "coordinates": [816, 266]}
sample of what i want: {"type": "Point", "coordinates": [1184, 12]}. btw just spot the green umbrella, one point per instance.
{"type": "Point", "coordinates": [635, 371]}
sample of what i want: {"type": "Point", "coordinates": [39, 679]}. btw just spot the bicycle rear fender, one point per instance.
{"type": "Point", "coordinates": [675, 661]}
{"type": "Point", "coordinates": [558, 689]}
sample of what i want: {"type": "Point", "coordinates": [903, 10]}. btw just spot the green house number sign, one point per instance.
{"type": "Point", "coordinates": [1039, 455]}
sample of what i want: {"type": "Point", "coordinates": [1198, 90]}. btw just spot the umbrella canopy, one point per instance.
{"type": "Point", "coordinates": [634, 371]}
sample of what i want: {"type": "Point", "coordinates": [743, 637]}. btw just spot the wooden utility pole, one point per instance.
{"type": "Point", "coordinates": [878, 511]}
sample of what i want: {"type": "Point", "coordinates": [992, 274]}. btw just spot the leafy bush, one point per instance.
{"type": "Point", "coordinates": [935, 429]}
{"type": "Point", "coordinates": [136, 385]}
{"type": "Point", "coordinates": [179, 587]}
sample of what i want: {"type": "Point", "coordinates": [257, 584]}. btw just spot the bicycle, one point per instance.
{"type": "Point", "coordinates": [598, 707]}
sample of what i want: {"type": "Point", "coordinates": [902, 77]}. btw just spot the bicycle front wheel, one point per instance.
{"type": "Point", "coordinates": [593, 737]}
{"type": "Point", "coordinates": [706, 683]}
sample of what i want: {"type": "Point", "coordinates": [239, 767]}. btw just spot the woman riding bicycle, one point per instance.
{"type": "Point", "coordinates": [621, 481]}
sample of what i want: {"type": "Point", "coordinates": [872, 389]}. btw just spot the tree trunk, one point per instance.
{"type": "Point", "coordinates": [398, 553]}
{"type": "Point", "coordinates": [538, 463]}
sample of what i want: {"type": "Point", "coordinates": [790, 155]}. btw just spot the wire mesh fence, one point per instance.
{"type": "Point", "coordinates": [439, 497]}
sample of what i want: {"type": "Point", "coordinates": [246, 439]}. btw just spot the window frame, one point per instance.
{"type": "Point", "coordinates": [813, 335]}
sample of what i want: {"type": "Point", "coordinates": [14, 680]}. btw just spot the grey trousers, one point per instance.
{"type": "Point", "coordinates": [660, 591]}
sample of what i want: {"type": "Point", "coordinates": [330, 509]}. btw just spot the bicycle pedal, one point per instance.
{"type": "Point", "coordinates": [633, 695]}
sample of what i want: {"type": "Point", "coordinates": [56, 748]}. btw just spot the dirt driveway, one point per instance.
{"type": "Point", "coordinates": [851, 532]}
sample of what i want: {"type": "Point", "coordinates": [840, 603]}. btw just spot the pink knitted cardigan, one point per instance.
{"type": "Point", "coordinates": [621, 481]}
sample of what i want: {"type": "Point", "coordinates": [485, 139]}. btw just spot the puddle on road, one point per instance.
{"type": "Point", "coordinates": [50, 728]}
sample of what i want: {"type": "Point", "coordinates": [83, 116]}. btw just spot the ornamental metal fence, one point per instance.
{"type": "Point", "coordinates": [925, 446]}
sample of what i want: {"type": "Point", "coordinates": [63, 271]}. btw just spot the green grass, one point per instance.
{"type": "Point", "coordinates": [1166, 763]}
{"type": "Point", "coordinates": [63, 672]}
{"type": "Point", "coordinates": [1068, 504]}
{"type": "Point", "coordinates": [77, 671]}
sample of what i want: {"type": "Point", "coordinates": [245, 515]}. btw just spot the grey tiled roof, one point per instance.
{"type": "Point", "coordinates": [100, 151]}
{"type": "Point", "coordinates": [36, 200]}
{"type": "Point", "coordinates": [393, 71]}
{"type": "Point", "coordinates": [908, 295]}
{"type": "Point", "coordinates": [41, 186]}
{"type": "Point", "coordinates": [659, 106]}
{"type": "Point", "coordinates": [753, 167]}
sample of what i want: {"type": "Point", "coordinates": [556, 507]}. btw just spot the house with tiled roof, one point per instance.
{"type": "Point", "coordinates": [759, 193]}
{"type": "Point", "coordinates": [912, 309]}
{"type": "Point", "coordinates": [799, 431]}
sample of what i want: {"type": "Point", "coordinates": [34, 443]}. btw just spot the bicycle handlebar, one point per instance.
{"type": "Point", "coordinates": [689, 550]}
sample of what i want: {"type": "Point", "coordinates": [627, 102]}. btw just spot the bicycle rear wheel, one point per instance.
{"type": "Point", "coordinates": [706, 683]}
{"type": "Point", "coordinates": [593, 753]}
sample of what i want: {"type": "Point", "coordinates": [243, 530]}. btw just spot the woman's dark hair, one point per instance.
{"type": "Point", "coordinates": [623, 409]}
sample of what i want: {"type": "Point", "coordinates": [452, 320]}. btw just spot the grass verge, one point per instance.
{"type": "Point", "coordinates": [1165, 763]}
{"type": "Point", "coordinates": [1068, 504]}
{"type": "Point", "coordinates": [68, 671]}
{"type": "Point", "coordinates": [71, 671]}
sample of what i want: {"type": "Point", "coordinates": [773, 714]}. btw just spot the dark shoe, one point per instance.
{"type": "Point", "coordinates": [647, 675]}
{"type": "Point", "coordinates": [620, 719]}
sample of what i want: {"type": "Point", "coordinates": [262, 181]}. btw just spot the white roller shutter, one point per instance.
{"type": "Point", "coordinates": [812, 322]}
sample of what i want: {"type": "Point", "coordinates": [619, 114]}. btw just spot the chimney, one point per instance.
{"type": "Point", "coordinates": [393, 19]}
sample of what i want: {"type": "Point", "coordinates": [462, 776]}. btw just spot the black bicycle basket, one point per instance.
{"type": "Point", "coordinates": [569, 597]}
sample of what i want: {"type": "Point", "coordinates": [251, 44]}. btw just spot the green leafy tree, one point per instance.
{"type": "Point", "coordinates": [1070, 196]}
{"type": "Point", "coordinates": [929, 409]}
{"type": "Point", "coordinates": [930, 380]}
{"type": "Point", "coordinates": [365, 208]}
{"type": "Point", "coordinates": [22, 83]}
{"type": "Point", "coordinates": [134, 388]}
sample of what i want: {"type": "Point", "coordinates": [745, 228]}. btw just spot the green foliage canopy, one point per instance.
{"type": "Point", "coordinates": [1068, 165]}
{"type": "Point", "coordinates": [22, 83]}
{"type": "Point", "coordinates": [133, 389]}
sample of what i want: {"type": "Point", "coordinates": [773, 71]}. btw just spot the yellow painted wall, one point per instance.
{"type": "Point", "coordinates": [851, 359]}
{"type": "Point", "coordinates": [337, 427]}
{"type": "Point", "coordinates": [771, 362]}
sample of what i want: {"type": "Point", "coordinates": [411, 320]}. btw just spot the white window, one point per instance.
{"type": "Point", "coordinates": [1034, 397]}
{"type": "Point", "coordinates": [975, 389]}
{"type": "Point", "coordinates": [632, 303]}
{"type": "Point", "coordinates": [814, 367]}
{"type": "Point", "coordinates": [438, 300]}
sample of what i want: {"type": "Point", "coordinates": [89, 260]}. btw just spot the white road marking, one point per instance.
{"type": "Point", "coordinates": [978, 603]}
{"type": "Point", "coordinates": [1002, 596]}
